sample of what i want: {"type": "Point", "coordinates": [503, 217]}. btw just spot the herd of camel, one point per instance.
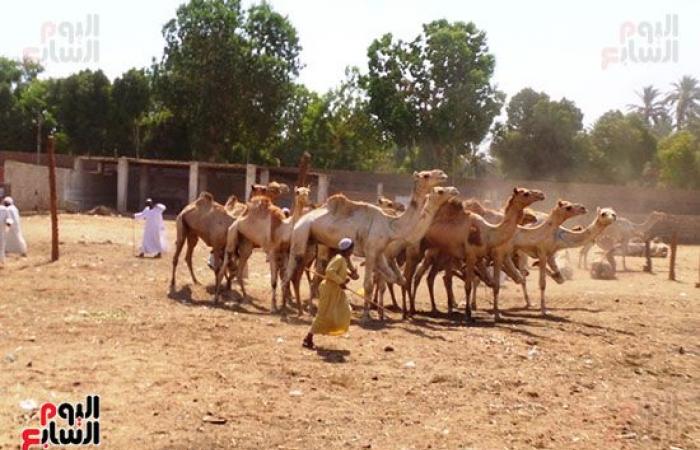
{"type": "Point", "coordinates": [436, 232]}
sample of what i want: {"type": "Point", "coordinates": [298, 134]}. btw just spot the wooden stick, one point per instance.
{"type": "Point", "coordinates": [53, 199]}
{"type": "Point", "coordinates": [647, 255]}
{"type": "Point", "coordinates": [697, 285]}
{"type": "Point", "coordinates": [672, 260]}
{"type": "Point", "coordinates": [347, 289]}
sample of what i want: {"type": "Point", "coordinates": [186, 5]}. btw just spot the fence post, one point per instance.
{"type": "Point", "coordinates": [672, 260]}
{"type": "Point", "coordinates": [122, 183]}
{"type": "Point", "coordinates": [250, 170]}
{"type": "Point", "coordinates": [647, 255]}
{"type": "Point", "coordinates": [380, 190]}
{"type": "Point", "coordinates": [323, 181]}
{"type": "Point", "coordinates": [54, 200]}
{"type": "Point", "coordinates": [194, 181]}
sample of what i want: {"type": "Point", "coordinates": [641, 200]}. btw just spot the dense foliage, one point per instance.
{"type": "Point", "coordinates": [226, 89]}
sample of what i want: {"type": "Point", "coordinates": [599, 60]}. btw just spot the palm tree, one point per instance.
{"type": "Point", "coordinates": [685, 98]}
{"type": "Point", "coordinates": [651, 107]}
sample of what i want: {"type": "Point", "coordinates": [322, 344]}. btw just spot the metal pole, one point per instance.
{"type": "Point", "coordinates": [39, 120]}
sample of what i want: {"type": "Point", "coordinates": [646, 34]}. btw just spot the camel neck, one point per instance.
{"type": "Point", "coordinates": [570, 238]}
{"type": "Point", "coordinates": [646, 225]}
{"type": "Point", "coordinates": [412, 225]}
{"type": "Point", "coordinates": [507, 227]}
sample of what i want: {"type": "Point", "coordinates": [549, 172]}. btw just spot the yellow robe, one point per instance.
{"type": "Point", "coordinates": [333, 316]}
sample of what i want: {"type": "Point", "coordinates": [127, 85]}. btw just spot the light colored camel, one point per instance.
{"type": "Point", "coordinates": [468, 237]}
{"type": "Point", "coordinates": [620, 234]}
{"type": "Point", "coordinates": [264, 225]}
{"type": "Point", "coordinates": [539, 242]}
{"type": "Point", "coordinates": [369, 227]}
{"type": "Point", "coordinates": [207, 220]}
{"type": "Point", "coordinates": [395, 252]}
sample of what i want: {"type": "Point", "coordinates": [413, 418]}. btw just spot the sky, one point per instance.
{"type": "Point", "coordinates": [553, 46]}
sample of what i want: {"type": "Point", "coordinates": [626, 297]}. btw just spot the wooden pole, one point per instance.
{"type": "Point", "coordinates": [697, 285]}
{"type": "Point", "coordinates": [304, 163]}
{"type": "Point", "coordinates": [647, 255]}
{"type": "Point", "coordinates": [672, 260]}
{"type": "Point", "coordinates": [53, 199]}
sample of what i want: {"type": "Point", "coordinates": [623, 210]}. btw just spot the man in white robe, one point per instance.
{"type": "Point", "coordinates": [15, 242]}
{"type": "Point", "coordinates": [5, 223]}
{"type": "Point", "coordinates": [154, 242]}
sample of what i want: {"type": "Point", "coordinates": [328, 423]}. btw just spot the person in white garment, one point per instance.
{"type": "Point", "coordinates": [154, 242]}
{"type": "Point", "coordinates": [15, 242]}
{"type": "Point", "coordinates": [5, 223]}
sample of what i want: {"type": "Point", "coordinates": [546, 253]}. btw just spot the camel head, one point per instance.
{"type": "Point", "coordinates": [439, 196]}
{"type": "Point", "coordinates": [566, 210]}
{"type": "Point", "coordinates": [606, 216]}
{"type": "Point", "coordinates": [522, 197]}
{"type": "Point", "coordinates": [276, 189]}
{"type": "Point", "coordinates": [428, 179]}
{"type": "Point", "coordinates": [257, 190]}
{"type": "Point", "coordinates": [302, 195]}
{"type": "Point", "coordinates": [385, 203]}
{"type": "Point", "coordinates": [657, 216]}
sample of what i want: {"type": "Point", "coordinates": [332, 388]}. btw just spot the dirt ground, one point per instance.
{"type": "Point", "coordinates": [616, 366]}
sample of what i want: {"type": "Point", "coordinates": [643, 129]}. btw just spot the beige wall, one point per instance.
{"type": "Point", "coordinates": [29, 185]}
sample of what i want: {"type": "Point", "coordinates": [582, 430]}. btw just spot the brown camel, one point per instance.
{"type": "Point", "coordinates": [369, 227]}
{"type": "Point", "coordinates": [265, 226]}
{"type": "Point", "coordinates": [468, 237]}
{"type": "Point", "coordinates": [207, 220]}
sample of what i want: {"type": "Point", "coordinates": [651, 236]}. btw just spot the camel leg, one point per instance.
{"type": "Point", "coordinates": [475, 288]}
{"type": "Point", "coordinates": [625, 246]}
{"type": "Point", "coordinates": [447, 282]}
{"type": "Point", "coordinates": [431, 286]}
{"type": "Point", "coordinates": [219, 274]}
{"type": "Point", "coordinates": [468, 278]}
{"type": "Point", "coordinates": [417, 277]}
{"type": "Point", "coordinates": [583, 255]}
{"type": "Point", "coordinates": [413, 257]}
{"type": "Point", "coordinates": [392, 294]}
{"type": "Point", "coordinates": [543, 280]}
{"type": "Point", "coordinates": [517, 275]}
{"type": "Point", "coordinates": [179, 243]}
{"type": "Point", "coordinates": [272, 257]}
{"type": "Point", "coordinates": [497, 263]}
{"type": "Point", "coordinates": [191, 243]}
{"type": "Point", "coordinates": [368, 285]}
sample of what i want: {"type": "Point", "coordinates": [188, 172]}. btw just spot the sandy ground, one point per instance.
{"type": "Point", "coordinates": [616, 366]}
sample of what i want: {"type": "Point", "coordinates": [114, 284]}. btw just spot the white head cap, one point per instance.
{"type": "Point", "coordinates": [7, 201]}
{"type": "Point", "coordinates": [345, 243]}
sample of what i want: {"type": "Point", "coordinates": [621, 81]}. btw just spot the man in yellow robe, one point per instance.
{"type": "Point", "coordinates": [333, 315]}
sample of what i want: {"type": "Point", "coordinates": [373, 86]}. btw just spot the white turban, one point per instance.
{"type": "Point", "coordinates": [345, 244]}
{"type": "Point", "coordinates": [8, 201]}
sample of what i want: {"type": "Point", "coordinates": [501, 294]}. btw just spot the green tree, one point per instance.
{"type": "Point", "coordinates": [679, 159]}
{"type": "Point", "coordinates": [227, 75]}
{"type": "Point", "coordinates": [651, 107]}
{"type": "Point", "coordinates": [626, 145]}
{"type": "Point", "coordinates": [130, 98]}
{"type": "Point", "coordinates": [82, 104]}
{"type": "Point", "coordinates": [336, 129]}
{"type": "Point", "coordinates": [542, 139]}
{"type": "Point", "coordinates": [685, 100]}
{"type": "Point", "coordinates": [433, 95]}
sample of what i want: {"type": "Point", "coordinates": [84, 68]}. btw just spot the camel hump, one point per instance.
{"type": "Point", "coordinates": [337, 203]}
{"type": "Point", "coordinates": [205, 198]}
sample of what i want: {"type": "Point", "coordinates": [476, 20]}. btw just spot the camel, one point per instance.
{"type": "Point", "coordinates": [272, 190]}
{"type": "Point", "coordinates": [370, 228]}
{"type": "Point", "coordinates": [621, 233]}
{"type": "Point", "coordinates": [435, 260]}
{"type": "Point", "coordinates": [538, 242]}
{"type": "Point", "coordinates": [264, 225]}
{"type": "Point", "coordinates": [207, 220]}
{"type": "Point", "coordinates": [468, 237]}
